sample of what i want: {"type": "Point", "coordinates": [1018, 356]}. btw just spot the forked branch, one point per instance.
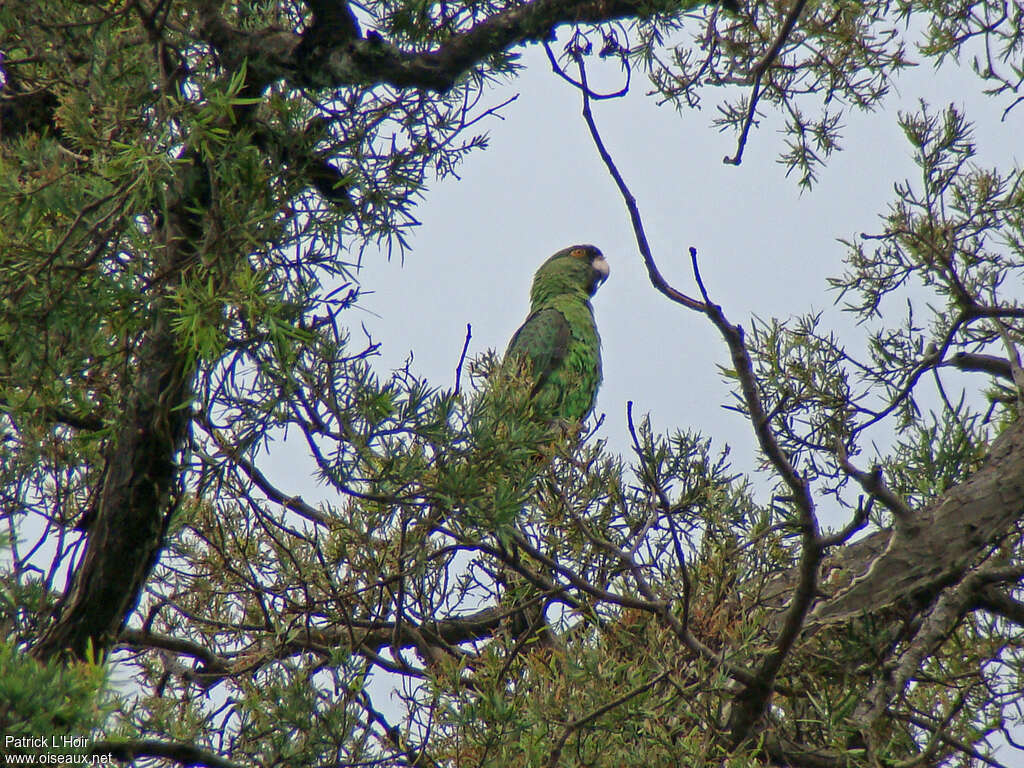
{"type": "Point", "coordinates": [752, 700]}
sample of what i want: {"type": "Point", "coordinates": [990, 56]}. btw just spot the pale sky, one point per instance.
{"type": "Point", "coordinates": [765, 249]}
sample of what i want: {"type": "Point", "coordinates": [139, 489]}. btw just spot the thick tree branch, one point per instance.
{"type": "Point", "coordinates": [348, 60]}
{"type": "Point", "coordinates": [365, 638]}
{"type": "Point", "coordinates": [141, 639]}
{"type": "Point", "coordinates": [996, 366]}
{"type": "Point", "coordinates": [912, 565]}
{"type": "Point", "coordinates": [142, 472]}
{"type": "Point", "coordinates": [183, 754]}
{"type": "Point", "coordinates": [995, 600]}
{"type": "Point", "coordinates": [132, 511]}
{"type": "Point", "coordinates": [940, 545]}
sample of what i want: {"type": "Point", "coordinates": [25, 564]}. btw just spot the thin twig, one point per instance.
{"type": "Point", "coordinates": [294, 503]}
{"type": "Point", "coordinates": [462, 359]}
{"type": "Point", "coordinates": [759, 71]}
{"type": "Point", "coordinates": [583, 85]}
{"type": "Point", "coordinates": [575, 725]}
{"type": "Point", "coordinates": [859, 520]}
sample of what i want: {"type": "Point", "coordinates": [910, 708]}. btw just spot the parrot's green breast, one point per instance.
{"type": "Point", "coordinates": [559, 340]}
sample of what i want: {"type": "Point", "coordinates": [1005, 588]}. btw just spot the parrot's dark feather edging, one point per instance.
{"type": "Point", "coordinates": [559, 340]}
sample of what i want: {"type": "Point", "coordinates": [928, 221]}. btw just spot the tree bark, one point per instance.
{"type": "Point", "coordinates": [934, 550]}
{"type": "Point", "coordinates": [126, 534]}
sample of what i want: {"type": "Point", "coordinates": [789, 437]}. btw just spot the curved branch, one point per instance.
{"type": "Point", "coordinates": [759, 69]}
{"type": "Point", "coordinates": [557, 69]}
{"type": "Point", "coordinates": [293, 503]}
{"type": "Point", "coordinates": [348, 60]}
{"type": "Point", "coordinates": [141, 639]}
{"type": "Point", "coordinates": [752, 700]}
{"type": "Point", "coordinates": [183, 754]}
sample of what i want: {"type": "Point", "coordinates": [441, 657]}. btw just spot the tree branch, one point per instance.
{"type": "Point", "coordinates": [759, 70]}
{"type": "Point", "coordinates": [942, 542]}
{"type": "Point", "coordinates": [63, 416]}
{"type": "Point", "coordinates": [752, 700]}
{"type": "Point", "coordinates": [991, 364]}
{"type": "Point", "coordinates": [1002, 604]}
{"type": "Point", "coordinates": [364, 638]}
{"type": "Point", "coordinates": [319, 60]}
{"type": "Point", "coordinates": [126, 533]}
{"type": "Point", "coordinates": [874, 485]}
{"type": "Point", "coordinates": [293, 503]}
{"type": "Point", "coordinates": [575, 725]}
{"type": "Point", "coordinates": [183, 754]}
{"type": "Point", "coordinates": [141, 639]}
{"type": "Point", "coordinates": [934, 631]}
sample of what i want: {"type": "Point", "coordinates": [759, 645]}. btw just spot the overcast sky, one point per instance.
{"type": "Point", "coordinates": [766, 249]}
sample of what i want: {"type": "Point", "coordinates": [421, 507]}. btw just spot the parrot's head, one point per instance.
{"type": "Point", "coordinates": [576, 269]}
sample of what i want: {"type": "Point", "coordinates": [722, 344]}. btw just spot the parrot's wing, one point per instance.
{"type": "Point", "coordinates": [543, 340]}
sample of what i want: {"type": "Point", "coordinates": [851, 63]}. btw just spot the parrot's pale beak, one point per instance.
{"type": "Point", "coordinates": [600, 265]}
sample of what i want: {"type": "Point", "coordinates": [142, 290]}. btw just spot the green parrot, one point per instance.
{"type": "Point", "coordinates": [559, 339]}
{"type": "Point", "coordinates": [558, 349]}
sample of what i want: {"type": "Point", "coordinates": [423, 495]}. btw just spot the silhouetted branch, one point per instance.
{"type": "Point", "coordinates": [752, 701]}
{"type": "Point", "coordinates": [462, 359]}
{"type": "Point", "coordinates": [581, 85]}
{"type": "Point", "coordinates": [759, 70]}
{"type": "Point", "coordinates": [183, 754]}
{"type": "Point", "coordinates": [294, 503]}
{"type": "Point", "coordinates": [859, 520]}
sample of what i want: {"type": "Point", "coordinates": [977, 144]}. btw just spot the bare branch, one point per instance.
{"type": "Point", "coordinates": [634, 213]}
{"type": "Point", "coordinates": [752, 701]}
{"type": "Point", "coordinates": [759, 70]}
{"type": "Point", "coordinates": [857, 522]}
{"type": "Point", "coordinates": [874, 485]}
{"type": "Point", "coordinates": [294, 503]}
{"type": "Point", "coordinates": [183, 754]}
{"type": "Point", "coordinates": [141, 639]}
{"type": "Point", "coordinates": [462, 358]}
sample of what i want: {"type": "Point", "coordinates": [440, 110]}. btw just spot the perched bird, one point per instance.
{"type": "Point", "coordinates": [560, 352]}
{"type": "Point", "coordinates": [559, 340]}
